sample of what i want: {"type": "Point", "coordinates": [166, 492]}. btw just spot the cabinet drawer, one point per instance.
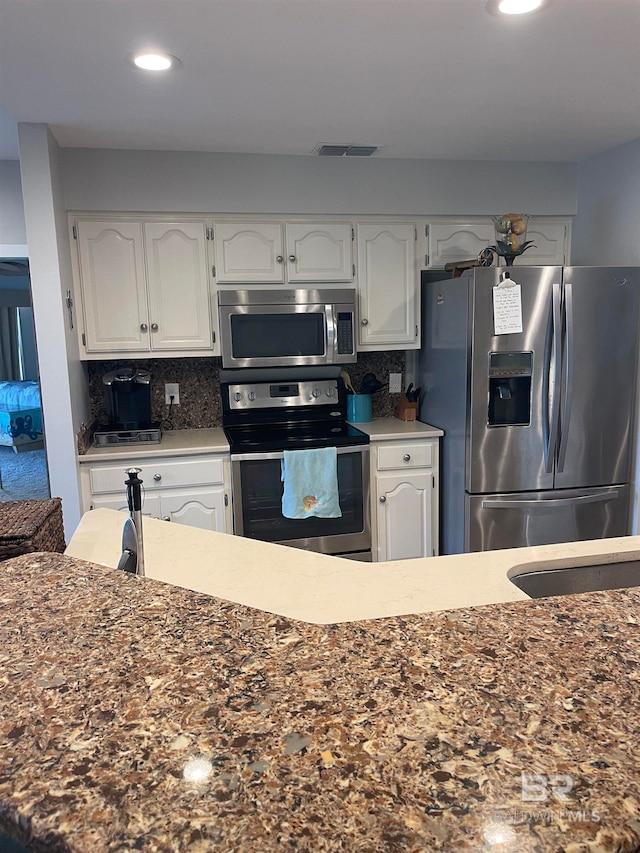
{"type": "Point", "coordinates": [159, 474]}
{"type": "Point", "coordinates": [405, 456]}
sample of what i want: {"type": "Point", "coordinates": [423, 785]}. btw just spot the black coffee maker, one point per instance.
{"type": "Point", "coordinates": [128, 398]}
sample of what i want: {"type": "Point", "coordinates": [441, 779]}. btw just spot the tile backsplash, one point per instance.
{"type": "Point", "coordinates": [198, 378]}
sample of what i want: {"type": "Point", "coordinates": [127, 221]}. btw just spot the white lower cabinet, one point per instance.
{"type": "Point", "coordinates": [405, 499]}
{"type": "Point", "coordinates": [193, 490]}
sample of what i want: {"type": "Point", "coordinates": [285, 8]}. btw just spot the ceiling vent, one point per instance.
{"type": "Point", "coordinates": [346, 150]}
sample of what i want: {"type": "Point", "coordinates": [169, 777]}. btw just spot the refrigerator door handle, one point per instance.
{"type": "Point", "coordinates": [500, 503]}
{"type": "Point", "coordinates": [554, 370]}
{"type": "Point", "coordinates": [568, 379]}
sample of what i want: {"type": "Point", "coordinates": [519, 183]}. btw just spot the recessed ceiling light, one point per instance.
{"type": "Point", "coordinates": [514, 7]}
{"type": "Point", "coordinates": [155, 61]}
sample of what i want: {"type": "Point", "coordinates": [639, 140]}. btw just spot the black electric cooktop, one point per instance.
{"type": "Point", "coordinates": [295, 436]}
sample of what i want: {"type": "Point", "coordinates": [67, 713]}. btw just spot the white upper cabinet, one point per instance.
{"type": "Point", "coordinates": [457, 240]}
{"type": "Point", "coordinates": [249, 252]}
{"type": "Point", "coordinates": [319, 252]}
{"type": "Point", "coordinates": [178, 285]}
{"type": "Point", "coordinates": [268, 252]}
{"type": "Point", "coordinates": [144, 287]}
{"type": "Point", "coordinates": [551, 243]}
{"type": "Point", "coordinates": [387, 285]}
{"type": "Point", "coordinates": [113, 286]}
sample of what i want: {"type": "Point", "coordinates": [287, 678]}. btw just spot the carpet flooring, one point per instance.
{"type": "Point", "coordinates": [24, 475]}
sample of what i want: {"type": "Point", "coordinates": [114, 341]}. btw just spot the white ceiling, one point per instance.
{"type": "Point", "coordinates": [420, 78]}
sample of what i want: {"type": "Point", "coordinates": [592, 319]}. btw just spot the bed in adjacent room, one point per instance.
{"type": "Point", "coordinates": [21, 416]}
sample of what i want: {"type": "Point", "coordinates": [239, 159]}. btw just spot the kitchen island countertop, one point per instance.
{"type": "Point", "coordinates": [137, 715]}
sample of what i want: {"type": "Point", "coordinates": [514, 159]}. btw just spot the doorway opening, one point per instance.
{"type": "Point", "coordinates": [23, 464]}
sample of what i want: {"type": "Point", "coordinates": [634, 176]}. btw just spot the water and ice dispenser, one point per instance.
{"type": "Point", "coordinates": [510, 388]}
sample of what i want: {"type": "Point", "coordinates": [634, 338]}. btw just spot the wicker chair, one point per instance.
{"type": "Point", "coordinates": [28, 526]}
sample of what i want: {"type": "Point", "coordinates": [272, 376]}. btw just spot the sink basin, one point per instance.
{"type": "Point", "coordinates": [574, 579]}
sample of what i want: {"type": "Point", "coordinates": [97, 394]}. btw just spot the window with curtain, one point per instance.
{"type": "Point", "coordinates": [9, 345]}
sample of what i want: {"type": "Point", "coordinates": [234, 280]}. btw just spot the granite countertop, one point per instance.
{"type": "Point", "coordinates": [179, 442]}
{"type": "Point", "coordinates": [184, 442]}
{"type": "Point", "coordinates": [137, 715]}
{"type": "Point", "coordinates": [389, 429]}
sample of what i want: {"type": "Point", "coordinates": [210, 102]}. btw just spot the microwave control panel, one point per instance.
{"type": "Point", "coordinates": [345, 333]}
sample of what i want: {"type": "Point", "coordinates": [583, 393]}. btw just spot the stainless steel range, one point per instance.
{"type": "Point", "coordinates": [261, 420]}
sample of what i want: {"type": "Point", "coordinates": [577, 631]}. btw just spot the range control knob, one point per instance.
{"type": "Point", "coordinates": [251, 395]}
{"type": "Point", "coordinates": [315, 393]}
{"type": "Point", "coordinates": [237, 396]}
{"type": "Point", "coordinates": [331, 392]}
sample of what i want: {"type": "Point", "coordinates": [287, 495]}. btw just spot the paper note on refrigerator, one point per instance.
{"type": "Point", "coordinates": [507, 310]}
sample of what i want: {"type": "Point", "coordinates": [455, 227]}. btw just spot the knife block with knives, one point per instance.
{"type": "Point", "coordinates": [407, 408]}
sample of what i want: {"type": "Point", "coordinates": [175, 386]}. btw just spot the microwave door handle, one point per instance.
{"type": "Point", "coordinates": [331, 331]}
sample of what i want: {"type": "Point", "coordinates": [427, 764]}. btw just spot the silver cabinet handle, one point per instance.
{"type": "Point", "coordinates": [406, 457]}
{"type": "Point", "coordinates": [143, 327]}
{"type": "Point", "coordinates": [157, 477]}
{"type": "Point", "coordinates": [154, 327]}
{"type": "Point", "coordinates": [292, 258]}
{"type": "Point", "coordinates": [279, 259]}
{"type": "Point", "coordinates": [166, 518]}
{"type": "Point", "coordinates": [364, 322]}
{"type": "Point", "coordinates": [383, 499]}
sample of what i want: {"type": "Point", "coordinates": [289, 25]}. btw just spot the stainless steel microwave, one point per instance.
{"type": "Point", "coordinates": [287, 328]}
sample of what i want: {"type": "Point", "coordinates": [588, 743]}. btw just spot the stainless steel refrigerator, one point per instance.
{"type": "Point", "coordinates": [532, 377]}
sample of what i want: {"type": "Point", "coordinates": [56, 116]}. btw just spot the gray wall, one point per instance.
{"type": "Point", "coordinates": [12, 227]}
{"type": "Point", "coordinates": [96, 179]}
{"type": "Point", "coordinates": [607, 228]}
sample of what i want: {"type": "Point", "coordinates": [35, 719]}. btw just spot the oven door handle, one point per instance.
{"type": "Point", "coordinates": [279, 454]}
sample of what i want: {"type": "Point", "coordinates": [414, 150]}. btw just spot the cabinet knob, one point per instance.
{"type": "Point", "coordinates": [292, 258]}
{"type": "Point", "coordinates": [154, 327]}
{"type": "Point", "coordinates": [407, 457]}
{"type": "Point", "coordinates": [157, 477]}
{"type": "Point", "coordinates": [166, 518]}
{"type": "Point", "coordinates": [279, 259]}
{"type": "Point", "coordinates": [383, 499]}
{"type": "Point", "coordinates": [364, 322]}
{"type": "Point", "coordinates": [143, 327]}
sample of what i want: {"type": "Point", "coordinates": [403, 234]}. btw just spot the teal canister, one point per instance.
{"type": "Point", "coordinates": [359, 408]}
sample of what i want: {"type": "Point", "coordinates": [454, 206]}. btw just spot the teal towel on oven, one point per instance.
{"type": "Point", "coordinates": [310, 480]}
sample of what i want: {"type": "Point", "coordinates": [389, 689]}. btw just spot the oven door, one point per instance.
{"type": "Point", "coordinates": [257, 505]}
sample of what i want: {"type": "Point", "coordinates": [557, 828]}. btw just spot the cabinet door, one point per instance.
{"type": "Point", "coordinates": [550, 244]}
{"type": "Point", "coordinates": [450, 241]}
{"type": "Point", "coordinates": [112, 278]}
{"type": "Point", "coordinates": [206, 509]}
{"type": "Point", "coordinates": [178, 276]}
{"type": "Point", "coordinates": [387, 285]}
{"type": "Point", "coordinates": [249, 252]}
{"type": "Point", "coordinates": [150, 504]}
{"type": "Point", "coordinates": [404, 516]}
{"type": "Point", "coordinates": [319, 251]}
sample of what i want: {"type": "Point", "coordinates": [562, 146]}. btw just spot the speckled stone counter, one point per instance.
{"type": "Point", "coordinates": [135, 715]}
